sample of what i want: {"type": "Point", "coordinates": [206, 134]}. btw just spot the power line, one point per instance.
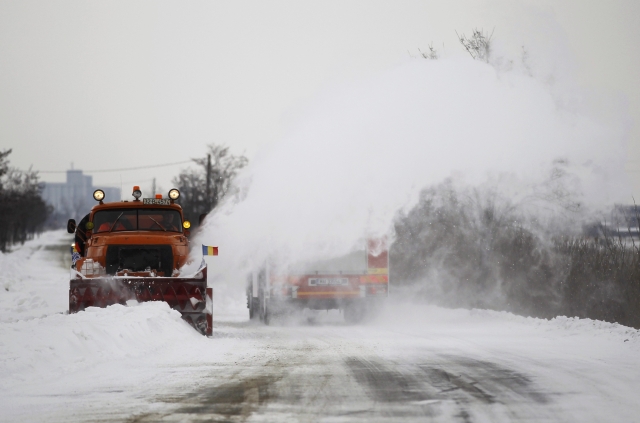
{"type": "Point", "coordinates": [118, 170]}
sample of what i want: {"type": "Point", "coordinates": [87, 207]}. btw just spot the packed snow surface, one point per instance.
{"type": "Point", "coordinates": [414, 363]}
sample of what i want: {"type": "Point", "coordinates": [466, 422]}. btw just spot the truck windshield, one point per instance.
{"type": "Point", "coordinates": [118, 220]}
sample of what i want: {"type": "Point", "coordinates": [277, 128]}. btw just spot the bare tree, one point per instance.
{"type": "Point", "coordinates": [22, 209]}
{"type": "Point", "coordinates": [202, 189]}
{"type": "Point", "coordinates": [560, 188]}
{"type": "Point", "coordinates": [4, 165]}
{"type": "Point", "coordinates": [478, 45]}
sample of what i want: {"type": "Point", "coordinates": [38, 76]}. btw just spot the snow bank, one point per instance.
{"type": "Point", "coordinates": [34, 278]}
{"type": "Point", "coordinates": [49, 354]}
{"type": "Point", "coordinates": [567, 326]}
{"type": "Point", "coordinates": [46, 348]}
{"type": "Point", "coordinates": [428, 319]}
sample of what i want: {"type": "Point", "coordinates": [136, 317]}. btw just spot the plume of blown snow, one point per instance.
{"type": "Point", "coordinates": [363, 151]}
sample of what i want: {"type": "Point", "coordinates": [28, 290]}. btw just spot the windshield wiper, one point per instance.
{"type": "Point", "coordinates": [116, 221]}
{"type": "Point", "coordinates": [161, 227]}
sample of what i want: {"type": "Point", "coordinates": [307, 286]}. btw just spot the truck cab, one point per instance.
{"type": "Point", "coordinates": [135, 250]}
{"type": "Point", "coordinates": [136, 238]}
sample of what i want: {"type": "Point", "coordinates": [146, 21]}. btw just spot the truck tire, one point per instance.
{"type": "Point", "coordinates": [267, 314]}
{"type": "Point", "coordinates": [260, 308]}
{"type": "Point", "coordinates": [354, 312]}
{"type": "Point", "coordinates": [252, 314]}
{"type": "Point", "coordinates": [253, 308]}
{"type": "Point", "coordinates": [263, 308]}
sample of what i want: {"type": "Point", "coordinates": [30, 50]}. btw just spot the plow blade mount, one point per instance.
{"type": "Point", "coordinates": [189, 296]}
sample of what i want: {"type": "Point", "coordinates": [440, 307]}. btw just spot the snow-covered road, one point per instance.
{"type": "Point", "coordinates": [457, 366]}
{"type": "Point", "coordinates": [415, 363]}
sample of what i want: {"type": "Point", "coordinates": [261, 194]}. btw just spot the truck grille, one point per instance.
{"type": "Point", "coordinates": [139, 258]}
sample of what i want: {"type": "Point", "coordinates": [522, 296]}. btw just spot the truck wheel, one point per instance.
{"type": "Point", "coordinates": [267, 313]}
{"type": "Point", "coordinates": [354, 313]}
{"type": "Point", "coordinates": [260, 308]}
{"type": "Point", "coordinates": [254, 306]}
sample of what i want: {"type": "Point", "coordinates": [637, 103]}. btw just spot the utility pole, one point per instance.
{"type": "Point", "coordinates": [153, 188]}
{"type": "Point", "coordinates": [208, 193]}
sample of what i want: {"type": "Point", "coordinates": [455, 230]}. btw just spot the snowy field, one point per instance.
{"type": "Point", "coordinates": [415, 363]}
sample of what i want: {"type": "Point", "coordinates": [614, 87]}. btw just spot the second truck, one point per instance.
{"type": "Point", "coordinates": [355, 284]}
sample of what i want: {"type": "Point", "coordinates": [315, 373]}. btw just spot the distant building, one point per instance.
{"type": "Point", "coordinates": [74, 198]}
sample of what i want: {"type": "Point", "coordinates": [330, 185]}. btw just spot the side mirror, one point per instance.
{"type": "Point", "coordinates": [71, 226]}
{"type": "Point", "coordinates": [201, 218]}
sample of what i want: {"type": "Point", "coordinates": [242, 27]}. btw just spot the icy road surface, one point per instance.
{"type": "Point", "coordinates": [415, 363]}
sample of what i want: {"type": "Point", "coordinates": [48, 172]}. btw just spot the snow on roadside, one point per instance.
{"type": "Point", "coordinates": [569, 326]}
{"type": "Point", "coordinates": [44, 349]}
{"type": "Point", "coordinates": [47, 353]}
{"type": "Point", "coordinates": [34, 278]}
{"type": "Point", "coordinates": [59, 366]}
{"type": "Point", "coordinates": [418, 318]}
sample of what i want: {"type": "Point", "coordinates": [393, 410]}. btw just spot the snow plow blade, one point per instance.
{"type": "Point", "coordinates": [189, 296]}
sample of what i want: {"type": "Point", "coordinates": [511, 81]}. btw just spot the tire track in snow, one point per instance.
{"type": "Point", "coordinates": [332, 373]}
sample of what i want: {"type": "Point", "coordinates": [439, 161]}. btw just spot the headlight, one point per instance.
{"type": "Point", "coordinates": [174, 194]}
{"type": "Point", "coordinates": [136, 192]}
{"type": "Point", "coordinates": [98, 195]}
{"type": "Point", "coordinates": [186, 224]}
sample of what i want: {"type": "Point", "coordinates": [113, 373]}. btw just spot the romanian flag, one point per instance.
{"type": "Point", "coordinates": [75, 255]}
{"type": "Point", "coordinates": [209, 251]}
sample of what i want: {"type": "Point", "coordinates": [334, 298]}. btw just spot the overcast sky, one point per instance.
{"type": "Point", "coordinates": [121, 84]}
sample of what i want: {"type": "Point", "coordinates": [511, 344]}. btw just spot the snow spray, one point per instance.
{"type": "Point", "coordinates": [361, 152]}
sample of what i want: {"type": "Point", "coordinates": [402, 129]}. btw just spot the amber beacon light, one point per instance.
{"type": "Point", "coordinates": [136, 192]}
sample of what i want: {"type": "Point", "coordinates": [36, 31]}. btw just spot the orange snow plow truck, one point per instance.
{"type": "Point", "coordinates": [133, 250]}
{"type": "Point", "coordinates": [356, 284]}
